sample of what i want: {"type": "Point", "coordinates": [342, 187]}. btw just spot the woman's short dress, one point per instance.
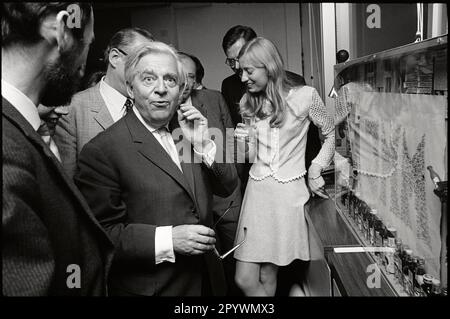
{"type": "Point", "coordinates": [273, 206]}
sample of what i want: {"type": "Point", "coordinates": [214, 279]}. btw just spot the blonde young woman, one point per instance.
{"type": "Point", "coordinates": [273, 205]}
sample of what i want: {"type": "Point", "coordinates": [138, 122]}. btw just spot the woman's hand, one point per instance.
{"type": "Point", "coordinates": [244, 143]}
{"type": "Point", "coordinates": [316, 182]}
{"type": "Point", "coordinates": [241, 132]}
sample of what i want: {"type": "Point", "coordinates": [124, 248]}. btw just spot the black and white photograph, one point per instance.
{"type": "Point", "coordinates": [224, 151]}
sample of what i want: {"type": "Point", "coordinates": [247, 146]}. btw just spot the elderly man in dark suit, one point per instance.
{"type": "Point", "coordinates": [226, 210]}
{"type": "Point", "coordinates": [95, 109]}
{"type": "Point", "coordinates": [51, 242]}
{"type": "Point", "coordinates": [154, 203]}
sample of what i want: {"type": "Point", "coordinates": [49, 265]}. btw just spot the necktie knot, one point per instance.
{"type": "Point", "coordinates": [128, 105]}
{"type": "Point", "coordinates": [44, 132]}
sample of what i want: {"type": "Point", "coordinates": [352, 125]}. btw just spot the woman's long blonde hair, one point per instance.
{"type": "Point", "coordinates": [261, 51]}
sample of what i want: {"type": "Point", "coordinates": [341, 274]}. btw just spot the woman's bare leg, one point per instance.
{"type": "Point", "coordinates": [268, 278]}
{"type": "Point", "coordinates": [247, 278]}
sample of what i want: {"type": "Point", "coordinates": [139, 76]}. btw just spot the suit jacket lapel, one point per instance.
{"type": "Point", "coordinates": [151, 149]}
{"type": "Point", "coordinates": [102, 115]}
{"type": "Point", "coordinates": [10, 112]}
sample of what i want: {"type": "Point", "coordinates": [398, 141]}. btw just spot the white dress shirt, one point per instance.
{"type": "Point", "coordinates": [21, 103]}
{"type": "Point", "coordinates": [114, 100]}
{"type": "Point", "coordinates": [163, 234]}
{"type": "Point", "coordinates": [51, 143]}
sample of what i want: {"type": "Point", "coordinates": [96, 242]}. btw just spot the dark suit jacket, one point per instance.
{"type": "Point", "coordinates": [46, 223]}
{"type": "Point", "coordinates": [133, 186]}
{"type": "Point", "coordinates": [213, 106]}
{"type": "Point", "coordinates": [233, 89]}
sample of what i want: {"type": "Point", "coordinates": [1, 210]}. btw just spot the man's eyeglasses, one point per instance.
{"type": "Point", "coordinates": [236, 246]}
{"type": "Point", "coordinates": [232, 249]}
{"type": "Point", "coordinates": [231, 62]}
{"type": "Point", "coordinates": [122, 51]}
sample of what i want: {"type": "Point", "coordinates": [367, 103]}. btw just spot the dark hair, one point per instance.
{"type": "Point", "coordinates": [93, 79]}
{"type": "Point", "coordinates": [21, 20]}
{"type": "Point", "coordinates": [199, 70]}
{"type": "Point", "coordinates": [125, 37]}
{"type": "Point", "coordinates": [235, 33]}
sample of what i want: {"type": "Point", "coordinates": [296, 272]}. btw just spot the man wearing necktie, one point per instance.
{"type": "Point", "coordinates": [155, 204]}
{"type": "Point", "coordinates": [95, 109]}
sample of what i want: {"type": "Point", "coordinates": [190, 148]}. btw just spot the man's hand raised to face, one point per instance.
{"type": "Point", "coordinates": [194, 126]}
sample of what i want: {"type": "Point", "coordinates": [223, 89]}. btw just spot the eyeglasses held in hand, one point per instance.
{"type": "Point", "coordinates": [226, 211]}
{"type": "Point", "coordinates": [232, 249]}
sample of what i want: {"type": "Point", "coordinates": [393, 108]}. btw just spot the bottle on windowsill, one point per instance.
{"type": "Point", "coordinates": [372, 220]}
{"type": "Point", "coordinates": [405, 263]}
{"type": "Point", "coordinates": [418, 277]}
{"type": "Point", "coordinates": [378, 239]}
{"type": "Point", "coordinates": [365, 220]}
{"type": "Point", "coordinates": [358, 211]}
{"type": "Point", "coordinates": [384, 243]}
{"type": "Point", "coordinates": [398, 255]}
{"type": "Point", "coordinates": [391, 236]}
{"type": "Point", "coordinates": [436, 288]}
{"type": "Point", "coordinates": [411, 271]}
{"type": "Point", "coordinates": [358, 202]}
{"type": "Point", "coordinates": [427, 285]}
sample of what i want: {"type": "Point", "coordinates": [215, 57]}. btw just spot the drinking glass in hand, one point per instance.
{"type": "Point", "coordinates": [249, 122]}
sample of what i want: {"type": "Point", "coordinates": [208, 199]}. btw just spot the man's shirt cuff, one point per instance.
{"type": "Point", "coordinates": [164, 245]}
{"type": "Point", "coordinates": [208, 156]}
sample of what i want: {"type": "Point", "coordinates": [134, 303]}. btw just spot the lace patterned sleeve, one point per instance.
{"type": "Point", "coordinates": [320, 116]}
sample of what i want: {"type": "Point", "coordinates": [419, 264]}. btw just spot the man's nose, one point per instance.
{"type": "Point", "coordinates": [160, 86]}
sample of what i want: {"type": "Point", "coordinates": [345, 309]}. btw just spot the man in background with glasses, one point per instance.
{"type": "Point", "coordinates": [95, 109]}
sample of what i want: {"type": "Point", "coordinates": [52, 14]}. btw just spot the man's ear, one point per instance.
{"type": "Point", "coordinates": [129, 90]}
{"type": "Point", "coordinates": [63, 37]}
{"type": "Point", "coordinates": [113, 57]}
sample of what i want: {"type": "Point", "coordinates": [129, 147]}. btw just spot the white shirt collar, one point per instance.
{"type": "Point", "coordinates": [114, 100]}
{"type": "Point", "coordinates": [22, 103]}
